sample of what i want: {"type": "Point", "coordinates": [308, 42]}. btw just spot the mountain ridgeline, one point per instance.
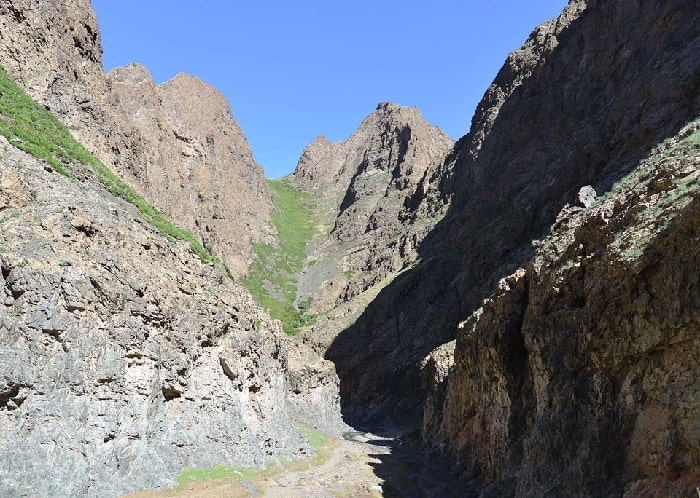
{"type": "Point", "coordinates": [521, 305]}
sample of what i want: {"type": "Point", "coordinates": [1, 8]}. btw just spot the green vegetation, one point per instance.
{"type": "Point", "coordinates": [11, 216]}
{"type": "Point", "coordinates": [318, 440]}
{"type": "Point", "coordinates": [229, 477]}
{"type": "Point", "coordinates": [218, 472]}
{"type": "Point", "coordinates": [33, 129]}
{"type": "Point", "coordinates": [271, 275]}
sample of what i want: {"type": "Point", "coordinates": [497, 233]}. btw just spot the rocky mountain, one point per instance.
{"type": "Point", "coordinates": [480, 295]}
{"type": "Point", "coordinates": [193, 146]}
{"type": "Point", "coordinates": [176, 143]}
{"type": "Point", "coordinates": [124, 358]}
{"type": "Point", "coordinates": [581, 78]}
{"type": "Point", "coordinates": [364, 183]}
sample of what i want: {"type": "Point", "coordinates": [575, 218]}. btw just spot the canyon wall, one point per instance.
{"type": "Point", "coordinates": [124, 358]}
{"type": "Point", "coordinates": [586, 97]}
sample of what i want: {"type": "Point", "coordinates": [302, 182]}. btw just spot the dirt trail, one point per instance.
{"type": "Point", "coordinates": [358, 465]}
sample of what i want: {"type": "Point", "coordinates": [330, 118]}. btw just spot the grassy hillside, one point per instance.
{"type": "Point", "coordinates": [271, 276]}
{"type": "Point", "coordinates": [33, 129]}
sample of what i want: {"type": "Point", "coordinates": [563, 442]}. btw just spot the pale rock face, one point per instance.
{"type": "Point", "coordinates": [124, 357]}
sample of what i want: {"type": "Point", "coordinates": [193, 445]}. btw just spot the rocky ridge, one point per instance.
{"type": "Point", "coordinates": [193, 147]}
{"type": "Point", "coordinates": [366, 181]}
{"type": "Point", "coordinates": [564, 382]}
{"type": "Point", "coordinates": [153, 136]}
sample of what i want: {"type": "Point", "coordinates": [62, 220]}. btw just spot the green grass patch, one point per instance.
{"type": "Point", "coordinates": [319, 441]}
{"type": "Point", "coordinates": [220, 471]}
{"type": "Point", "coordinates": [271, 276]}
{"type": "Point", "coordinates": [33, 129]}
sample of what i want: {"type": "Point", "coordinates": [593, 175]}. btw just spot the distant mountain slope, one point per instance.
{"type": "Point", "coordinates": [363, 185]}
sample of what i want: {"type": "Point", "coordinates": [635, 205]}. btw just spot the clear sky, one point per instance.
{"type": "Point", "coordinates": [294, 70]}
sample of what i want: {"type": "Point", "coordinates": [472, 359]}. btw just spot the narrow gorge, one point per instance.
{"type": "Point", "coordinates": [514, 313]}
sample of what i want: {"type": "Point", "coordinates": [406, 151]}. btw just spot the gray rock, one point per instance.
{"type": "Point", "coordinates": [108, 385]}
{"type": "Point", "coordinates": [586, 196]}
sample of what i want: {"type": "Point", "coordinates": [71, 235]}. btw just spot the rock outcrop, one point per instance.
{"type": "Point", "coordinates": [124, 358]}
{"type": "Point", "coordinates": [176, 143]}
{"type": "Point", "coordinates": [578, 376]}
{"type": "Point", "coordinates": [364, 184]}
{"type": "Point", "coordinates": [197, 165]}
{"type": "Point", "coordinates": [586, 98]}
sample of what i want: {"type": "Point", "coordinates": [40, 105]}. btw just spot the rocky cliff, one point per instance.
{"type": "Point", "coordinates": [586, 98]}
{"type": "Point", "coordinates": [153, 136]}
{"type": "Point", "coordinates": [124, 357]}
{"type": "Point", "coordinates": [365, 183]}
{"type": "Point", "coordinates": [577, 376]}
{"type": "Point", "coordinates": [197, 165]}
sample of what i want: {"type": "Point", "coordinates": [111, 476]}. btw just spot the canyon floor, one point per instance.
{"type": "Point", "coordinates": [359, 464]}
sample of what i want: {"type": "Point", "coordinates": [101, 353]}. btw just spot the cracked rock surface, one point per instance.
{"type": "Point", "coordinates": [123, 357]}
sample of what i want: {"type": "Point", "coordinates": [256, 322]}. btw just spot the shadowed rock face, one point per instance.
{"type": "Point", "coordinates": [586, 98]}
{"type": "Point", "coordinates": [176, 143]}
{"type": "Point", "coordinates": [123, 357]}
{"type": "Point", "coordinates": [577, 376]}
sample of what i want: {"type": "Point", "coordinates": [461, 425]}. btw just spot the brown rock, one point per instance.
{"type": "Point", "coordinates": [197, 165]}
{"type": "Point", "coordinates": [166, 151]}
{"type": "Point", "coordinates": [363, 184]}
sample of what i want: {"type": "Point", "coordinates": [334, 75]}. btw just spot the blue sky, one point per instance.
{"type": "Point", "coordinates": [293, 70]}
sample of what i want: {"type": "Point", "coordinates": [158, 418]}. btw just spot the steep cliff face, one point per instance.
{"type": "Point", "coordinates": [584, 100]}
{"type": "Point", "coordinates": [153, 136]}
{"type": "Point", "coordinates": [364, 184]}
{"type": "Point", "coordinates": [577, 377]}
{"type": "Point", "coordinates": [124, 357]}
{"type": "Point", "coordinates": [197, 164]}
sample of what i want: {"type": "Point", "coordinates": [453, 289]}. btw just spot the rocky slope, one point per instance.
{"type": "Point", "coordinates": [587, 97]}
{"type": "Point", "coordinates": [124, 357]}
{"type": "Point", "coordinates": [364, 183]}
{"type": "Point", "coordinates": [193, 147]}
{"type": "Point", "coordinates": [153, 136]}
{"type": "Point", "coordinates": [584, 361]}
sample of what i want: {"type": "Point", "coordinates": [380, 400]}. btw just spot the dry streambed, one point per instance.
{"type": "Point", "coordinates": [356, 465]}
